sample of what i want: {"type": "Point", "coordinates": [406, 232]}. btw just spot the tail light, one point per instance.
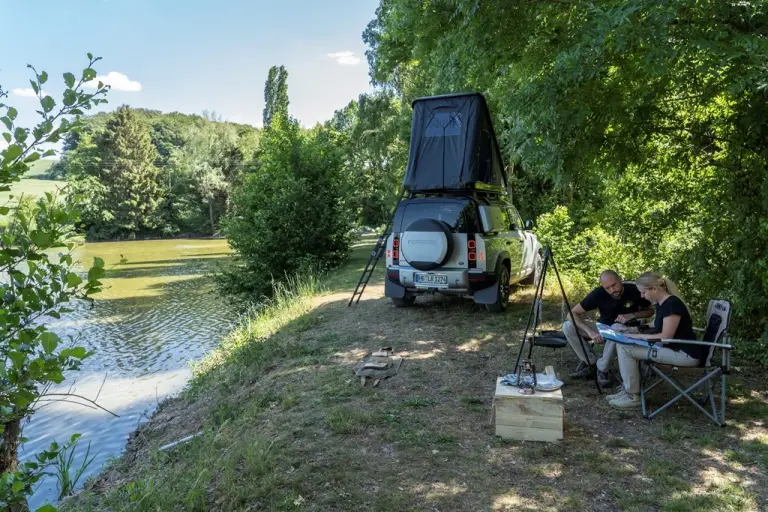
{"type": "Point", "coordinates": [471, 254]}
{"type": "Point", "coordinates": [396, 250]}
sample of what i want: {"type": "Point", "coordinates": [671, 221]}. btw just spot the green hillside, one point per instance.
{"type": "Point", "coordinates": [39, 169]}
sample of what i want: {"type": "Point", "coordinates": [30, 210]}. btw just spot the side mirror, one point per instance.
{"type": "Point", "coordinates": [528, 224]}
{"type": "Point", "coordinates": [513, 227]}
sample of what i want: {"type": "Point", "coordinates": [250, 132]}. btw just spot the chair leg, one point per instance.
{"type": "Point", "coordinates": [711, 397]}
{"type": "Point", "coordinates": [686, 393]}
{"type": "Point", "coordinates": [642, 392]}
{"type": "Point", "coordinates": [722, 399]}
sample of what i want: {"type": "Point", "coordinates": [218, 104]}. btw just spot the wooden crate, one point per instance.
{"type": "Point", "coordinates": [536, 417]}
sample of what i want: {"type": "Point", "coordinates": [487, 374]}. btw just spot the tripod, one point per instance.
{"type": "Point", "coordinates": [535, 313]}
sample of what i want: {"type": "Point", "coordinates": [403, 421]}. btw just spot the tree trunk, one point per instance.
{"type": "Point", "coordinates": [9, 457]}
{"type": "Point", "coordinates": [210, 215]}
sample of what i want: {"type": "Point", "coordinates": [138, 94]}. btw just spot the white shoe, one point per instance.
{"type": "Point", "coordinates": [614, 396]}
{"type": "Point", "coordinates": [627, 401]}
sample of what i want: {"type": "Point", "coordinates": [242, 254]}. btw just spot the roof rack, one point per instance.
{"type": "Point", "coordinates": [480, 192]}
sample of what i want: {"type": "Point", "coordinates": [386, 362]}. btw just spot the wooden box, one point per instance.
{"type": "Point", "coordinates": [536, 417]}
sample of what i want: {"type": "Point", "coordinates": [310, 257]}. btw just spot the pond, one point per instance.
{"type": "Point", "coordinates": [157, 313]}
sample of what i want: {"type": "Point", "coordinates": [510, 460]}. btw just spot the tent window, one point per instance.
{"type": "Point", "coordinates": [444, 124]}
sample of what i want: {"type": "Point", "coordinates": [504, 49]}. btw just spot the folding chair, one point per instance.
{"type": "Point", "coordinates": [714, 337]}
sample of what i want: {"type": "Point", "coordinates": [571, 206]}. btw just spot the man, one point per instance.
{"type": "Point", "coordinates": [618, 303]}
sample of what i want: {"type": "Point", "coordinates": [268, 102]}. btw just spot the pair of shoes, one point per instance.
{"type": "Point", "coordinates": [626, 401]}
{"type": "Point", "coordinates": [604, 379]}
{"type": "Point", "coordinates": [582, 371]}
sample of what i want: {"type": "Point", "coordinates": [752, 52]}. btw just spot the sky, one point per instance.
{"type": "Point", "coordinates": [191, 55]}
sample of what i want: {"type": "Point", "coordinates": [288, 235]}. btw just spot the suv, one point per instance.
{"type": "Point", "coordinates": [464, 244]}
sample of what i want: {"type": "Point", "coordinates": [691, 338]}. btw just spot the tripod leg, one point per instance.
{"type": "Point", "coordinates": [568, 305]}
{"type": "Point", "coordinates": [537, 294]}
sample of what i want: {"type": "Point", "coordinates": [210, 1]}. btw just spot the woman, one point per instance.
{"type": "Point", "coordinates": [673, 321]}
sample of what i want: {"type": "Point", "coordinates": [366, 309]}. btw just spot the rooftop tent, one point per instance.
{"type": "Point", "coordinates": [453, 145]}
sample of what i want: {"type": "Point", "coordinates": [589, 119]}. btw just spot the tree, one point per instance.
{"type": "Point", "coordinates": [646, 119]}
{"type": "Point", "coordinates": [129, 173]}
{"type": "Point", "coordinates": [36, 256]}
{"type": "Point", "coordinates": [275, 95]}
{"type": "Point", "coordinates": [191, 149]}
{"type": "Point", "coordinates": [210, 160]}
{"type": "Point", "coordinates": [374, 134]}
{"type": "Point", "coordinates": [292, 215]}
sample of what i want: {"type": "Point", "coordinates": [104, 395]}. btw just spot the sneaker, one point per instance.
{"type": "Point", "coordinates": [614, 396]}
{"type": "Point", "coordinates": [582, 371]}
{"type": "Point", "coordinates": [628, 401]}
{"type": "Point", "coordinates": [604, 379]}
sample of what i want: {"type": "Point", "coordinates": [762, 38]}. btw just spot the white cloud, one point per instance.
{"type": "Point", "coordinates": [118, 82]}
{"type": "Point", "coordinates": [28, 92]}
{"type": "Point", "coordinates": [345, 58]}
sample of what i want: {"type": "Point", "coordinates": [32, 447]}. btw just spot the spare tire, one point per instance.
{"type": "Point", "coordinates": [427, 244]}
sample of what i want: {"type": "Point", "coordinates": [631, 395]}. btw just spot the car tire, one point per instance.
{"type": "Point", "coordinates": [502, 301]}
{"type": "Point", "coordinates": [538, 264]}
{"type": "Point", "coordinates": [404, 302]}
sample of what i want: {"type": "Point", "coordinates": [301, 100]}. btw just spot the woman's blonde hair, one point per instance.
{"type": "Point", "coordinates": [654, 280]}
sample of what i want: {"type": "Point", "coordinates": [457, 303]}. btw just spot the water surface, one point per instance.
{"type": "Point", "coordinates": [157, 313]}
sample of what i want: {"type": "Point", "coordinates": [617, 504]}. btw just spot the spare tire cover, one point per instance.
{"type": "Point", "coordinates": [427, 244]}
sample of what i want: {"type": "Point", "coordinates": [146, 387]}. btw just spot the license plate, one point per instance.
{"type": "Point", "coordinates": [432, 279]}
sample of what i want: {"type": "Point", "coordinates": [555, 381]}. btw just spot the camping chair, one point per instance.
{"type": "Point", "coordinates": [718, 316]}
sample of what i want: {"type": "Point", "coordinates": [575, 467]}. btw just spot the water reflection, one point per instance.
{"type": "Point", "coordinates": [157, 313]}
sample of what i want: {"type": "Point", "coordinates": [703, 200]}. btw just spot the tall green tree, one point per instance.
{"type": "Point", "coordinates": [293, 213]}
{"type": "Point", "coordinates": [210, 161]}
{"type": "Point", "coordinates": [275, 95]}
{"type": "Point", "coordinates": [374, 132]}
{"type": "Point", "coordinates": [129, 173]}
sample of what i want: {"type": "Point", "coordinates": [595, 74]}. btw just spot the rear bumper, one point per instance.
{"type": "Point", "coordinates": [482, 285]}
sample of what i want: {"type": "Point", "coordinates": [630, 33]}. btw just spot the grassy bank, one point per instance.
{"type": "Point", "coordinates": [287, 426]}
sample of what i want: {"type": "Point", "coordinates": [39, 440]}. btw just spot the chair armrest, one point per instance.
{"type": "Point", "coordinates": [694, 342]}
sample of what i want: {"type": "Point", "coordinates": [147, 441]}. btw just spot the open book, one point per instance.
{"type": "Point", "coordinates": [609, 334]}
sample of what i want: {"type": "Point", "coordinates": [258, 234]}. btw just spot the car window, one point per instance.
{"type": "Point", "coordinates": [494, 218]}
{"type": "Point", "coordinates": [450, 213]}
{"type": "Point", "coordinates": [515, 217]}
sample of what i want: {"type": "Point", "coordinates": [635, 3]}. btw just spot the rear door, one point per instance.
{"type": "Point", "coordinates": [517, 235]}
{"type": "Point", "coordinates": [427, 245]}
{"type": "Point", "coordinates": [527, 240]}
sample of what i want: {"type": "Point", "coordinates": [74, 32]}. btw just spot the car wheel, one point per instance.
{"type": "Point", "coordinates": [504, 288]}
{"type": "Point", "coordinates": [404, 302]}
{"type": "Point", "coordinates": [538, 265]}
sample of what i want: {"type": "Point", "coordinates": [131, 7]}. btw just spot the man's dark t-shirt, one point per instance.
{"type": "Point", "coordinates": [609, 308]}
{"type": "Point", "coordinates": [674, 306]}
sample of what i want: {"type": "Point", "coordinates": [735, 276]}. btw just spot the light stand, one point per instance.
{"type": "Point", "coordinates": [537, 300]}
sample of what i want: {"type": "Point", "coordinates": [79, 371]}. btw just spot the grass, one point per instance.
{"type": "Point", "coordinates": [288, 426]}
{"type": "Point", "coordinates": [39, 169]}
{"type": "Point", "coordinates": [30, 187]}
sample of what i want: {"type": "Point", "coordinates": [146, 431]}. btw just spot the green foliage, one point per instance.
{"type": "Point", "coordinates": [291, 215]}
{"type": "Point", "coordinates": [67, 475]}
{"type": "Point", "coordinates": [203, 168]}
{"type": "Point", "coordinates": [374, 136]}
{"type": "Point", "coordinates": [123, 192]}
{"type": "Point", "coordinates": [646, 119]}
{"type": "Point", "coordinates": [197, 161]}
{"type": "Point", "coordinates": [275, 96]}
{"type": "Point", "coordinates": [36, 257]}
